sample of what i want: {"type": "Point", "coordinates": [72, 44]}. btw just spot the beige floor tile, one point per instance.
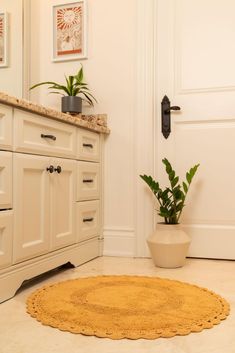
{"type": "Point", "coordinates": [19, 333]}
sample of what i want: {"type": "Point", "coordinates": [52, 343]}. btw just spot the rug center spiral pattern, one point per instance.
{"type": "Point", "coordinates": [117, 298]}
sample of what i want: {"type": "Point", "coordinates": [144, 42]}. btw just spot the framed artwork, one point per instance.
{"type": "Point", "coordinates": [3, 39]}
{"type": "Point", "coordinates": [70, 31]}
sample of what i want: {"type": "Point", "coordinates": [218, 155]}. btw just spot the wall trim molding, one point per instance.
{"type": "Point", "coordinates": [119, 242]}
{"type": "Point", "coordinates": [144, 121]}
{"type": "Point", "coordinates": [26, 37]}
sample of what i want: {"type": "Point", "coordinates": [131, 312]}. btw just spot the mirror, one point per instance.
{"type": "Point", "coordinates": [14, 77]}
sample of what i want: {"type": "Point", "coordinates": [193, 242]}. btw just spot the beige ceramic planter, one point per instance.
{"type": "Point", "coordinates": [168, 245]}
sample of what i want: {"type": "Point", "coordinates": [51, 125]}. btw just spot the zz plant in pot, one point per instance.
{"type": "Point", "coordinates": [169, 243]}
{"type": "Point", "coordinates": [74, 92]}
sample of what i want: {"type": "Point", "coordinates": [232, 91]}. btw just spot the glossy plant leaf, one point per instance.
{"type": "Point", "coordinates": [185, 187]}
{"type": "Point", "coordinates": [172, 199]}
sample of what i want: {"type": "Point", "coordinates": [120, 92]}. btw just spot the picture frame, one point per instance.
{"type": "Point", "coordinates": [3, 39]}
{"type": "Point", "coordinates": [70, 31]}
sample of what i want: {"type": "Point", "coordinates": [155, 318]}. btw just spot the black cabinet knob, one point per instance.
{"type": "Point", "coordinates": [50, 169]}
{"type": "Point", "coordinates": [58, 169]}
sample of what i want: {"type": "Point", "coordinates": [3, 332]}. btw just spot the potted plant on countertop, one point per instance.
{"type": "Point", "coordinates": [74, 92]}
{"type": "Point", "coordinates": [169, 244]}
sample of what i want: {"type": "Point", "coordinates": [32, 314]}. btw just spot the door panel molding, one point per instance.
{"type": "Point", "coordinates": [202, 35]}
{"type": "Point", "coordinates": [144, 121]}
{"type": "Point", "coordinates": [212, 234]}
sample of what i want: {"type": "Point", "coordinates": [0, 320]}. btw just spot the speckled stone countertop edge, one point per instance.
{"type": "Point", "coordinates": [96, 122]}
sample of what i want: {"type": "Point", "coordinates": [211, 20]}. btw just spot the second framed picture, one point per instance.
{"type": "Point", "coordinates": [3, 39]}
{"type": "Point", "coordinates": [70, 31]}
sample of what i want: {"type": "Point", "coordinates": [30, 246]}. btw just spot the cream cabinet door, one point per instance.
{"type": "Point", "coordinates": [31, 206]}
{"type": "Point", "coordinates": [63, 193]}
{"type": "Point", "coordinates": [6, 114]}
{"type": "Point", "coordinates": [5, 180]}
{"type": "Point", "coordinates": [5, 238]}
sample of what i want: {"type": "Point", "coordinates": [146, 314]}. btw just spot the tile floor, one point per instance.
{"type": "Point", "coordinates": [19, 333]}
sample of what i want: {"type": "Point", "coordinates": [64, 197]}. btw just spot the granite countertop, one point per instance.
{"type": "Point", "coordinates": [96, 122]}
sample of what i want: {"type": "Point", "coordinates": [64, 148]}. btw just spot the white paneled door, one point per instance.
{"type": "Point", "coordinates": [195, 60]}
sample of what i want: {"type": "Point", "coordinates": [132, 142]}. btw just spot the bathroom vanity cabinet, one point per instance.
{"type": "Point", "coordinates": [50, 192]}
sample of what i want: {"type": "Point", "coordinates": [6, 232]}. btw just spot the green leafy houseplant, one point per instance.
{"type": "Point", "coordinates": [171, 199]}
{"type": "Point", "coordinates": [75, 86]}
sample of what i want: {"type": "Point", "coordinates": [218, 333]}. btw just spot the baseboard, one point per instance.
{"type": "Point", "coordinates": [119, 242]}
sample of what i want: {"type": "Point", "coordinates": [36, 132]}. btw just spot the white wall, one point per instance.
{"type": "Point", "coordinates": [11, 77]}
{"type": "Point", "coordinates": [110, 71]}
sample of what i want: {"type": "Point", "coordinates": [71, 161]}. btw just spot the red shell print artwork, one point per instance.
{"type": "Point", "coordinates": [69, 28]}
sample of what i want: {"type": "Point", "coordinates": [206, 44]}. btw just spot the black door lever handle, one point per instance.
{"type": "Point", "coordinates": [166, 116]}
{"type": "Point", "coordinates": [175, 107]}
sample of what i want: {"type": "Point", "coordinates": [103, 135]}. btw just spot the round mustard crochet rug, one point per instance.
{"type": "Point", "coordinates": [127, 307]}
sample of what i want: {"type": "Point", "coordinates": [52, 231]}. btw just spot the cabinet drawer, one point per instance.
{"type": "Point", "coordinates": [5, 238]}
{"type": "Point", "coordinates": [6, 114]}
{"type": "Point", "coordinates": [36, 134]}
{"type": "Point", "coordinates": [88, 183]}
{"type": "Point", "coordinates": [88, 219]}
{"type": "Point", "coordinates": [5, 179]}
{"type": "Point", "coordinates": [88, 145]}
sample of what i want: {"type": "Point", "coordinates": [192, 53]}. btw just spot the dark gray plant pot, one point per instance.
{"type": "Point", "coordinates": [71, 104]}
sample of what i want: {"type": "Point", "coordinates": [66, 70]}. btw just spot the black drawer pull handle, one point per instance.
{"type": "Point", "coordinates": [87, 145]}
{"type": "Point", "coordinates": [50, 169]}
{"type": "Point", "coordinates": [88, 180]}
{"type": "Point", "coordinates": [58, 169]}
{"type": "Point", "coordinates": [88, 219]}
{"type": "Point", "coordinates": [52, 137]}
